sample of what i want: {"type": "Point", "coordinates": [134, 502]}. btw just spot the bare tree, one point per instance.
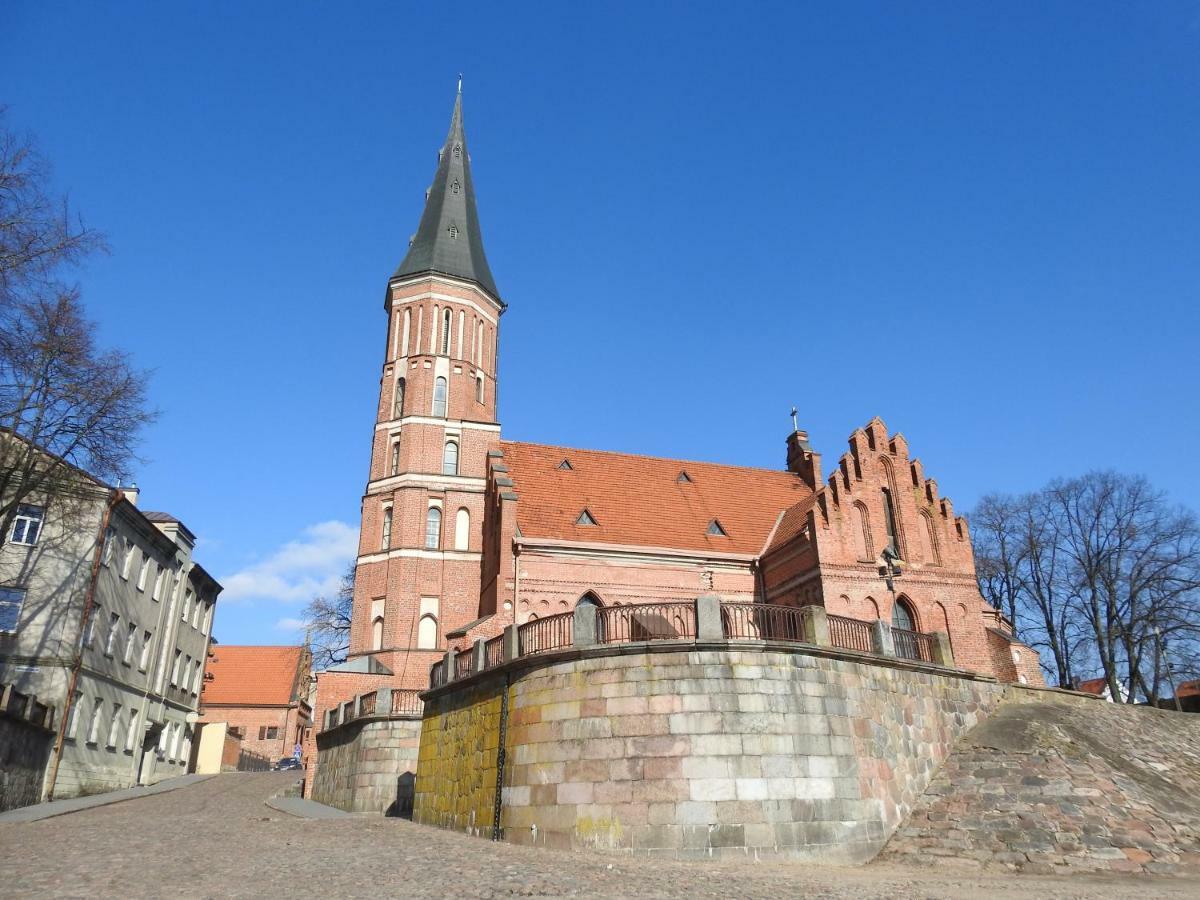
{"type": "Point", "coordinates": [59, 393]}
{"type": "Point", "coordinates": [329, 623]}
{"type": "Point", "coordinates": [1101, 570]}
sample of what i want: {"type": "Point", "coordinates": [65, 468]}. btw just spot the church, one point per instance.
{"type": "Point", "coordinates": [465, 532]}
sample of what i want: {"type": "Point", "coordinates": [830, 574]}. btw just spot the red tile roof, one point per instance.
{"type": "Point", "coordinates": [252, 676]}
{"type": "Point", "coordinates": [639, 500]}
{"type": "Point", "coordinates": [1188, 689]}
{"type": "Point", "coordinates": [1095, 686]}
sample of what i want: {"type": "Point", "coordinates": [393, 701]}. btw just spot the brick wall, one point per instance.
{"type": "Point", "coordinates": [250, 719]}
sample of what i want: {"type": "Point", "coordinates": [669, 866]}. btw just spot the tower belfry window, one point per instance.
{"type": "Point", "coordinates": [454, 188]}
{"type": "Point", "coordinates": [453, 229]}
{"type": "Point", "coordinates": [715, 529]}
{"type": "Point", "coordinates": [439, 397]}
{"type": "Point", "coordinates": [447, 316]}
{"type": "Point", "coordinates": [457, 151]}
{"type": "Point", "coordinates": [585, 518]}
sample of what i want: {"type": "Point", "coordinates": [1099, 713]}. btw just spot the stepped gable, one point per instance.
{"type": "Point", "coordinates": [643, 501]}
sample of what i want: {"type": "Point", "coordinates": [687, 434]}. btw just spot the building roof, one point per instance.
{"type": "Point", "coordinates": [448, 239]}
{"type": "Point", "coordinates": [645, 501]}
{"type": "Point", "coordinates": [253, 676]}
{"type": "Point", "coordinates": [1095, 686]}
{"type": "Point", "coordinates": [792, 522]}
{"type": "Point", "coordinates": [155, 516]}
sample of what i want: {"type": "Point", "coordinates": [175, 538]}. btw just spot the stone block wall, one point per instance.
{"type": "Point", "coordinates": [24, 753]}
{"type": "Point", "coordinates": [698, 752]}
{"type": "Point", "coordinates": [368, 766]}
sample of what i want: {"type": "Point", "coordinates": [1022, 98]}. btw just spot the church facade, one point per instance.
{"type": "Point", "coordinates": [464, 532]}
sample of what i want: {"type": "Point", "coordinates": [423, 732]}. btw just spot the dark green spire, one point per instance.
{"type": "Point", "coordinates": [448, 240]}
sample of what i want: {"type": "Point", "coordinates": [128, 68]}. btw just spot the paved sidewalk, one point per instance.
{"type": "Point", "coordinates": [40, 811]}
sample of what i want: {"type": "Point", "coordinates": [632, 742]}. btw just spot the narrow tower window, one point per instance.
{"type": "Point", "coordinates": [377, 634]}
{"type": "Point", "coordinates": [454, 188]}
{"type": "Point", "coordinates": [889, 518]}
{"type": "Point", "coordinates": [395, 467]}
{"type": "Point", "coordinates": [453, 229]}
{"type": "Point", "coordinates": [446, 317]}
{"type": "Point", "coordinates": [404, 333]}
{"type": "Point", "coordinates": [385, 540]}
{"type": "Point", "coordinates": [462, 529]}
{"type": "Point", "coordinates": [398, 399]}
{"type": "Point", "coordinates": [439, 397]}
{"type": "Point", "coordinates": [450, 459]}
{"type": "Point", "coordinates": [433, 528]}
{"type": "Point", "coordinates": [427, 633]}
{"type": "Point", "coordinates": [479, 389]}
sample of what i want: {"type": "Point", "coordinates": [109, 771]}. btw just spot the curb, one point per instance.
{"type": "Point", "coordinates": [54, 808]}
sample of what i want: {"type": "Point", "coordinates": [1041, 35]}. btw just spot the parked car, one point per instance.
{"type": "Point", "coordinates": [288, 762]}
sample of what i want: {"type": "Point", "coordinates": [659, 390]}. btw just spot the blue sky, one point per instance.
{"type": "Point", "coordinates": [977, 220]}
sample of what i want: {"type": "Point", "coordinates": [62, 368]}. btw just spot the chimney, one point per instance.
{"type": "Point", "coordinates": [131, 492]}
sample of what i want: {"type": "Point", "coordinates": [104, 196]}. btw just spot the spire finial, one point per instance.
{"type": "Point", "coordinates": [795, 423]}
{"type": "Point", "coordinates": [460, 82]}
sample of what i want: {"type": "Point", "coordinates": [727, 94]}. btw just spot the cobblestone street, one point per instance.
{"type": "Point", "coordinates": [218, 839]}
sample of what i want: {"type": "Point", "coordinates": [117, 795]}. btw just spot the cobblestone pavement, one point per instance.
{"type": "Point", "coordinates": [218, 839]}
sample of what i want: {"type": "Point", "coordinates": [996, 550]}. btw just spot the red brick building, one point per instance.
{"type": "Point", "coordinates": [262, 693]}
{"type": "Point", "coordinates": [464, 533]}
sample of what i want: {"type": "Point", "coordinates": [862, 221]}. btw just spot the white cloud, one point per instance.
{"type": "Point", "coordinates": [291, 625]}
{"type": "Point", "coordinates": [299, 570]}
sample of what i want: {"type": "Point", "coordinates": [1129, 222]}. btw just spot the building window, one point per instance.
{"type": "Point", "coordinates": [144, 659]}
{"type": "Point", "coordinates": [715, 529]}
{"type": "Point", "coordinates": [110, 537]}
{"type": "Point", "coordinates": [94, 724]}
{"type": "Point", "coordinates": [143, 573]}
{"type": "Point", "coordinates": [130, 641]}
{"type": "Point", "coordinates": [27, 526]}
{"type": "Point", "coordinates": [462, 529]}
{"type": "Point", "coordinates": [198, 677]}
{"type": "Point", "coordinates": [73, 716]}
{"type": "Point", "coordinates": [453, 229]}
{"type": "Point", "coordinates": [433, 528]}
{"type": "Point", "coordinates": [454, 188]}
{"type": "Point", "coordinates": [446, 318]}
{"type": "Point", "coordinates": [377, 633]}
{"type": "Point", "coordinates": [385, 539]}
{"type": "Point", "coordinates": [889, 518]}
{"type": "Point", "coordinates": [175, 667]}
{"type": "Point", "coordinates": [127, 559]}
{"type": "Point", "coordinates": [11, 601]}
{"type": "Point", "coordinates": [268, 732]}
{"type": "Point", "coordinates": [114, 727]}
{"type": "Point", "coordinates": [450, 459]}
{"type": "Point", "coordinates": [89, 627]}
{"type": "Point", "coordinates": [439, 397]}
{"type": "Point", "coordinates": [156, 594]}
{"type": "Point", "coordinates": [398, 399]}
{"type": "Point", "coordinates": [188, 600]}
{"type": "Point", "coordinates": [427, 633]}
{"type": "Point", "coordinates": [131, 735]}
{"type": "Point", "coordinates": [114, 622]}
{"type": "Point", "coordinates": [394, 468]}
{"type": "Point", "coordinates": [479, 390]}
{"type": "Point", "coordinates": [903, 616]}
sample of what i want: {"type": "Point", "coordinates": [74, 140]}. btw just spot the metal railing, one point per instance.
{"type": "Point", "coordinates": [406, 703]}
{"type": "Point", "coordinates": [912, 644]}
{"type": "Point", "coordinates": [646, 622]}
{"type": "Point", "coordinates": [851, 634]}
{"type": "Point", "coordinates": [550, 633]}
{"type": "Point", "coordinates": [493, 652]}
{"type": "Point", "coordinates": [366, 704]}
{"type": "Point", "coordinates": [762, 622]}
{"type": "Point", "coordinates": [462, 664]}
{"type": "Point", "coordinates": [437, 674]}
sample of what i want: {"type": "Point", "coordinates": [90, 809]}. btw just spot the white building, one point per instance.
{"type": "Point", "coordinates": [105, 624]}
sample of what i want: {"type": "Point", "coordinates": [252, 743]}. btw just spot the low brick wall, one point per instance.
{"type": "Point", "coordinates": [367, 765]}
{"type": "Point", "coordinates": [695, 749]}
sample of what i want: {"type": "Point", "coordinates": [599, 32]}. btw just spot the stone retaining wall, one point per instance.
{"type": "Point", "coordinates": [24, 753]}
{"type": "Point", "coordinates": [696, 750]}
{"type": "Point", "coordinates": [1056, 783]}
{"type": "Point", "coordinates": [368, 765]}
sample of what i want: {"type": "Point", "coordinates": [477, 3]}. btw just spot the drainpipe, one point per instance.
{"type": "Point", "coordinates": [88, 604]}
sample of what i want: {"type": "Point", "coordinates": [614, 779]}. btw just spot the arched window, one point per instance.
{"type": "Point", "coordinates": [398, 401]}
{"type": "Point", "coordinates": [395, 466]}
{"type": "Point", "coordinates": [385, 540]}
{"type": "Point", "coordinates": [439, 397]}
{"type": "Point", "coordinates": [377, 634]}
{"type": "Point", "coordinates": [889, 519]}
{"type": "Point", "coordinates": [427, 636]}
{"type": "Point", "coordinates": [447, 316]}
{"type": "Point", "coordinates": [462, 529]}
{"type": "Point", "coordinates": [903, 615]}
{"type": "Point", "coordinates": [404, 333]}
{"type": "Point", "coordinates": [433, 528]}
{"type": "Point", "coordinates": [479, 389]}
{"type": "Point", "coordinates": [450, 458]}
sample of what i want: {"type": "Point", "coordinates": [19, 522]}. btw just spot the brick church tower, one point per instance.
{"type": "Point", "coordinates": [418, 568]}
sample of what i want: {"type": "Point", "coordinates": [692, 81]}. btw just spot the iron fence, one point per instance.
{"type": "Point", "coordinates": [366, 704]}
{"type": "Point", "coordinates": [550, 633]}
{"type": "Point", "coordinates": [850, 634]}
{"type": "Point", "coordinates": [646, 622]}
{"type": "Point", "coordinates": [493, 652]}
{"type": "Point", "coordinates": [912, 644]}
{"type": "Point", "coordinates": [462, 664]}
{"type": "Point", "coordinates": [762, 622]}
{"type": "Point", "coordinates": [437, 674]}
{"type": "Point", "coordinates": [406, 703]}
